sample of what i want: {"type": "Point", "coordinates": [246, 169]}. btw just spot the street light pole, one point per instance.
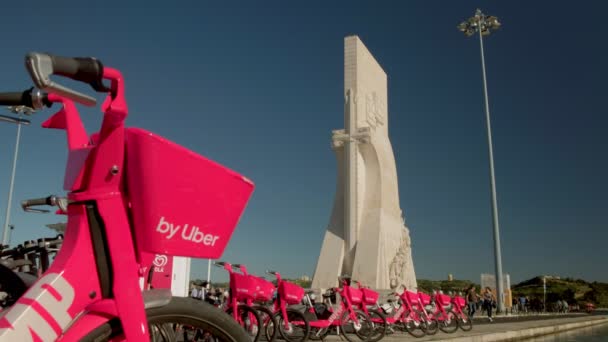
{"type": "Point", "coordinates": [18, 121]}
{"type": "Point", "coordinates": [482, 24]}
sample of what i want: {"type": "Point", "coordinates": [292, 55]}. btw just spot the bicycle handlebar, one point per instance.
{"type": "Point", "coordinates": [84, 69]}
{"type": "Point", "coordinates": [219, 263]}
{"type": "Point", "coordinates": [32, 98]}
{"type": "Point", "coordinates": [52, 200]}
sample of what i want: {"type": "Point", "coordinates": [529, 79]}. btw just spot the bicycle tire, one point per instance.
{"type": "Point", "coordinates": [465, 323]}
{"type": "Point", "coordinates": [380, 325]}
{"type": "Point", "coordinates": [179, 311]}
{"type": "Point", "coordinates": [268, 322]}
{"type": "Point", "coordinates": [318, 334]}
{"type": "Point", "coordinates": [253, 329]}
{"type": "Point", "coordinates": [451, 326]}
{"type": "Point", "coordinates": [363, 332]}
{"type": "Point", "coordinates": [293, 316]}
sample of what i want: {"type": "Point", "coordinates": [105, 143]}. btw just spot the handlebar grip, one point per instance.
{"type": "Point", "coordinates": [84, 69]}
{"type": "Point", "coordinates": [36, 201]}
{"type": "Point", "coordinates": [15, 99]}
{"type": "Point", "coordinates": [32, 98]}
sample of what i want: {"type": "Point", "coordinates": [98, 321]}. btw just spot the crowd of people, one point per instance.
{"type": "Point", "coordinates": [200, 290]}
{"type": "Point", "coordinates": [486, 302]}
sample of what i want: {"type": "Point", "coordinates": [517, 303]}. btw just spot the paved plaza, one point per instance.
{"type": "Point", "coordinates": [507, 329]}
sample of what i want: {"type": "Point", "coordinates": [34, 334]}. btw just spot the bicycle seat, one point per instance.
{"type": "Point", "coordinates": [390, 300]}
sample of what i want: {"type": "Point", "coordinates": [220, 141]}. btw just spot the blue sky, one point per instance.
{"type": "Point", "coordinates": [258, 87]}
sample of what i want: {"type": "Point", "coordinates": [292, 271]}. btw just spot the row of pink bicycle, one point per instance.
{"type": "Point", "coordinates": [289, 312]}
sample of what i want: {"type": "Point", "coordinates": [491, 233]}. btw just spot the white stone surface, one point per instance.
{"type": "Point", "coordinates": [366, 237]}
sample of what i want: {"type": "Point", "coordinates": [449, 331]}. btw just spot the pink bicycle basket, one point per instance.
{"type": "Point", "coordinates": [291, 293]}
{"type": "Point", "coordinates": [459, 301]}
{"type": "Point", "coordinates": [264, 288]}
{"type": "Point", "coordinates": [355, 295]}
{"type": "Point", "coordinates": [424, 298]}
{"type": "Point", "coordinates": [444, 299]}
{"type": "Point", "coordinates": [412, 297]}
{"type": "Point", "coordinates": [244, 285]}
{"type": "Point", "coordinates": [182, 203]}
{"type": "Point", "coordinates": [370, 296]}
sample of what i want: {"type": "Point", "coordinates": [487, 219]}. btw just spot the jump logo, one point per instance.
{"type": "Point", "coordinates": [192, 233]}
{"type": "Point", "coordinates": [54, 295]}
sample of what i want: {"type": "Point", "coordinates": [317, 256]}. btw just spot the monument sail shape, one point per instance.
{"type": "Point", "coordinates": [366, 237]}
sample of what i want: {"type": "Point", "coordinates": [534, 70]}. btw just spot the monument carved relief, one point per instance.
{"type": "Point", "coordinates": [366, 237]}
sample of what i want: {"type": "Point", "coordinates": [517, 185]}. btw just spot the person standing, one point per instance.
{"type": "Point", "coordinates": [472, 300]}
{"type": "Point", "coordinates": [488, 302]}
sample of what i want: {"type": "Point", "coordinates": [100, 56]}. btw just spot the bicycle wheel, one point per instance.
{"type": "Point", "coordinates": [379, 325]}
{"type": "Point", "coordinates": [465, 322]}
{"type": "Point", "coordinates": [317, 334]}
{"type": "Point", "coordinates": [363, 329]}
{"type": "Point", "coordinates": [183, 319]}
{"type": "Point", "coordinates": [268, 323]}
{"type": "Point", "coordinates": [431, 326]}
{"type": "Point", "coordinates": [249, 320]}
{"type": "Point", "coordinates": [298, 326]}
{"type": "Point", "coordinates": [410, 322]}
{"type": "Point", "coordinates": [449, 324]}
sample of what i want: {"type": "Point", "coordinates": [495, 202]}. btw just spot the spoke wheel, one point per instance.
{"type": "Point", "coordinates": [298, 327]}
{"type": "Point", "coordinates": [183, 319]}
{"type": "Point", "coordinates": [362, 329]}
{"type": "Point", "coordinates": [449, 324]}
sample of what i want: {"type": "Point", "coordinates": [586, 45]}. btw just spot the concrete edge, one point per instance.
{"type": "Point", "coordinates": [518, 335]}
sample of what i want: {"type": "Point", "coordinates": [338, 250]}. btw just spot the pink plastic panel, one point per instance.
{"type": "Point", "coordinates": [424, 298]}
{"type": "Point", "coordinates": [412, 297]}
{"type": "Point", "coordinates": [370, 296]}
{"type": "Point", "coordinates": [291, 293]}
{"type": "Point", "coordinates": [459, 301]}
{"type": "Point", "coordinates": [355, 295]}
{"type": "Point", "coordinates": [182, 203]}
{"type": "Point", "coordinates": [444, 299]}
{"type": "Point", "coordinates": [264, 288]}
{"type": "Point", "coordinates": [244, 286]}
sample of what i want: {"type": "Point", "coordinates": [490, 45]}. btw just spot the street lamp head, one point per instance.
{"type": "Point", "coordinates": [479, 22]}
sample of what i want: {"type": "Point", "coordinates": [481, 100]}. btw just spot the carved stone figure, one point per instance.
{"type": "Point", "coordinates": [366, 237]}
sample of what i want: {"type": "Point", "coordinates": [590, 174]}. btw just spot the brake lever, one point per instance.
{"type": "Point", "coordinates": [32, 210]}
{"type": "Point", "coordinates": [41, 66]}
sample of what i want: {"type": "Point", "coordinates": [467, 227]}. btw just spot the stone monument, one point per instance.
{"type": "Point", "coordinates": [366, 237]}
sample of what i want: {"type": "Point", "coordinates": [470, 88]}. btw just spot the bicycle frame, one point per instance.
{"type": "Point", "coordinates": [336, 317]}
{"type": "Point", "coordinates": [66, 303]}
{"type": "Point", "coordinates": [233, 300]}
{"type": "Point", "coordinates": [279, 305]}
{"type": "Point", "coordinates": [411, 314]}
{"type": "Point", "coordinates": [440, 312]}
{"type": "Point", "coordinates": [458, 303]}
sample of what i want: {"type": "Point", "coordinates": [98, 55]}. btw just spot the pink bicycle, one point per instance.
{"type": "Point", "coordinates": [410, 315]}
{"type": "Point", "coordinates": [242, 292]}
{"type": "Point", "coordinates": [264, 291]}
{"type": "Point", "coordinates": [464, 321]}
{"type": "Point", "coordinates": [347, 319]}
{"type": "Point", "coordinates": [369, 305]}
{"type": "Point", "coordinates": [293, 326]}
{"type": "Point", "coordinates": [446, 318]}
{"type": "Point", "coordinates": [131, 194]}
